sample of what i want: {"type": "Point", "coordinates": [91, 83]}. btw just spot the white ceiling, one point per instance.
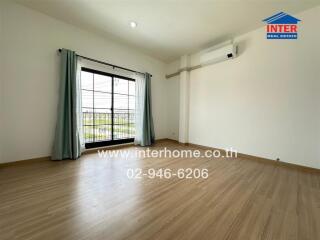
{"type": "Point", "coordinates": [167, 29]}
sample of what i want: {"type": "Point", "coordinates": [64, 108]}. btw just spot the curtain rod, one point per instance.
{"type": "Point", "coordinates": [105, 63]}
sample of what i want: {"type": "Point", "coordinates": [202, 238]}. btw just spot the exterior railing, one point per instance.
{"type": "Point", "coordinates": [98, 126]}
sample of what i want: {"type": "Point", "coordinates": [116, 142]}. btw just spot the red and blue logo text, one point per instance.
{"type": "Point", "coordinates": [282, 26]}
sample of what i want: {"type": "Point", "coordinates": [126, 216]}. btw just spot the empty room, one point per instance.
{"type": "Point", "coordinates": [159, 120]}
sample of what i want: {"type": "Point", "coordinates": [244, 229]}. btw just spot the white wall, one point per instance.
{"type": "Point", "coordinates": [173, 95]}
{"type": "Point", "coordinates": [266, 102]}
{"type": "Point", "coordinates": [30, 74]}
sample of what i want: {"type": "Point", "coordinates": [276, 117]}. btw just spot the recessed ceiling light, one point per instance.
{"type": "Point", "coordinates": [133, 24]}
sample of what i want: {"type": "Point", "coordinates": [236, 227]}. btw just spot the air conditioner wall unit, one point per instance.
{"type": "Point", "coordinates": [218, 54]}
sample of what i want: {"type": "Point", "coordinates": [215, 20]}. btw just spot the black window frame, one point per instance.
{"type": "Point", "coordinates": [113, 141]}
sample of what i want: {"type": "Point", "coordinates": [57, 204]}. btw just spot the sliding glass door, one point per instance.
{"type": "Point", "coordinates": [108, 106]}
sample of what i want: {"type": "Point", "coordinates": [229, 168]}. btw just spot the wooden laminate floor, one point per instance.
{"type": "Point", "coordinates": [92, 198]}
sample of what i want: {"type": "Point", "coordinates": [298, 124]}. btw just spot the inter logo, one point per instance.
{"type": "Point", "coordinates": [282, 26]}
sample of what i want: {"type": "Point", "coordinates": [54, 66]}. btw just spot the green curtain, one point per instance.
{"type": "Point", "coordinates": [148, 136]}
{"type": "Point", "coordinates": [67, 139]}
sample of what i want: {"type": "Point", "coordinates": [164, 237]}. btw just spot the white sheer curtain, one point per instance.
{"type": "Point", "coordinates": [79, 106]}
{"type": "Point", "coordinates": [140, 95]}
